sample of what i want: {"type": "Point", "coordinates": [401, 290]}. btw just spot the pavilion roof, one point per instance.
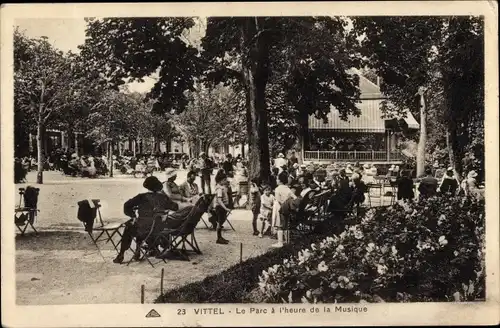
{"type": "Point", "coordinates": [371, 117]}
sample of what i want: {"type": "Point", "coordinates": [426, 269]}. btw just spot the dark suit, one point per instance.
{"type": "Point", "coordinates": [428, 186]}
{"type": "Point", "coordinates": [405, 188]}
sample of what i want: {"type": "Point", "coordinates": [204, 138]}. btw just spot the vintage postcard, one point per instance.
{"type": "Point", "coordinates": [250, 164]}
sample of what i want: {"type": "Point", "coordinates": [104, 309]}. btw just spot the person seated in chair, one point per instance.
{"type": "Point", "coordinates": [189, 190]}
{"type": "Point", "coordinates": [405, 186]}
{"type": "Point", "coordinates": [343, 193]}
{"type": "Point", "coordinates": [148, 205]}
{"type": "Point", "coordinates": [172, 190]}
{"type": "Point", "coordinates": [428, 186]}
{"type": "Point", "coordinates": [449, 184]}
{"type": "Point", "coordinates": [359, 189]}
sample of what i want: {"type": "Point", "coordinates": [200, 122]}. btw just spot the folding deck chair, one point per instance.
{"type": "Point", "coordinates": [88, 211]}
{"type": "Point", "coordinates": [24, 216]}
{"type": "Point", "coordinates": [377, 194]}
{"type": "Point", "coordinates": [149, 242]}
{"type": "Point", "coordinates": [177, 240]}
{"type": "Point", "coordinates": [299, 218]}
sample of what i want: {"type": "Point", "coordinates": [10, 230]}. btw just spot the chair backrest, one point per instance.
{"type": "Point", "coordinates": [195, 215]}
{"type": "Point", "coordinates": [87, 214]}
{"type": "Point", "coordinates": [306, 200]}
{"type": "Point", "coordinates": [244, 187]}
{"type": "Point", "coordinates": [30, 196]}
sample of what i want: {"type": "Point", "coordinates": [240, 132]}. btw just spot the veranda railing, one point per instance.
{"type": "Point", "coordinates": [370, 155]}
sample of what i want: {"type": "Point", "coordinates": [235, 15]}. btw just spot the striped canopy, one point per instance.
{"type": "Point", "coordinates": [370, 119]}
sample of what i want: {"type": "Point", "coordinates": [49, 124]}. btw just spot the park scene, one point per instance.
{"type": "Point", "coordinates": [249, 160]}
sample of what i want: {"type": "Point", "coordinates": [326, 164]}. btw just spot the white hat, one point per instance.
{"type": "Point", "coordinates": [280, 155]}
{"type": "Point", "coordinates": [472, 174]}
{"type": "Point", "coordinates": [170, 172]}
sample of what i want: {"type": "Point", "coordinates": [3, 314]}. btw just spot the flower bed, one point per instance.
{"type": "Point", "coordinates": [235, 284]}
{"type": "Point", "coordinates": [429, 251]}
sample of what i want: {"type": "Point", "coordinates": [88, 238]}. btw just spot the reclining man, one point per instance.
{"type": "Point", "coordinates": [149, 204]}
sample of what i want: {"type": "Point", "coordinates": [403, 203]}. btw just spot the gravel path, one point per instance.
{"type": "Point", "coordinates": [61, 266]}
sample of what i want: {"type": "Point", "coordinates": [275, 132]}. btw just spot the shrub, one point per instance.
{"type": "Point", "coordinates": [234, 284]}
{"type": "Point", "coordinates": [432, 250]}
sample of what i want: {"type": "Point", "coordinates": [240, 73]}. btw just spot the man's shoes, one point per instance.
{"type": "Point", "coordinates": [213, 221]}
{"type": "Point", "coordinates": [222, 241]}
{"type": "Point", "coordinates": [137, 256]}
{"type": "Point", "coordinates": [255, 233]}
{"type": "Point", "coordinates": [118, 259]}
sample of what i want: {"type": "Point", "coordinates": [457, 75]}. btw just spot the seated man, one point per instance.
{"type": "Point", "coordinates": [405, 186]}
{"type": "Point", "coordinates": [428, 186]}
{"type": "Point", "coordinates": [189, 189]}
{"type": "Point", "coordinates": [359, 189]}
{"type": "Point", "coordinates": [449, 184]}
{"type": "Point", "coordinates": [149, 204]}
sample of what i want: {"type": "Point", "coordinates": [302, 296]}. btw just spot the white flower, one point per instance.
{"type": "Point", "coordinates": [313, 247]}
{"type": "Point", "coordinates": [340, 248]}
{"type": "Point", "coordinates": [456, 253]}
{"type": "Point", "coordinates": [343, 234]}
{"type": "Point", "coordinates": [343, 279]}
{"type": "Point", "coordinates": [394, 250]}
{"type": "Point", "coordinates": [443, 241]}
{"type": "Point", "coordinates": [370, 247]}
{"type": "Point", "coordinates": [381, 269]}
{"type": "Point", "coordinates": [265, 275]}
{"type": "Point", "coordinates": [334, 285]}
{"type": "Point", "coordinates": [330, 239]}
{"type": "Point", "coordinates": [349, 286]}
{"type": "Point", "coordinates": [322, 267]}
{"type": "Point", "coordinates": [285, 261]}
{"type": "Point", "coordinates": [358, 234]}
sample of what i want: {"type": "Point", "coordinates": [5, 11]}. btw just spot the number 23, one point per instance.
{"type": "Point", "coordinates": [181, 311]}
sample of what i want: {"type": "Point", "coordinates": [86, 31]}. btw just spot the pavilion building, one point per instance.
{"type": "Point", "coordinates": [368, 138]}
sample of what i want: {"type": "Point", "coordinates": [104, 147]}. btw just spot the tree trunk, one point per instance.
{"type": "Point", "coordinates": [45, 143]}
{"type": "Point", "coordinates": [39, 148]}
{"type": "Point", "coordinates": [111, 162]}
{"type": "Point", "coordinates": [242, 150]}
{"type": "Point", "coordinates": [423, 138]}
{"type": "Point", "coordinates": [255, 75]}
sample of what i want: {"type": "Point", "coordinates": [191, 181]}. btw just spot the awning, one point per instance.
{"type": "Point", "coordinates": [370, 119]}
{"type": "Point", "coordinates": [411, 121]}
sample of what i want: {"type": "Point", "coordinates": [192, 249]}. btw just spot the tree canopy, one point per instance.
{"type": "Point", "coordinates": [302, 59]}
{"type": "Point", "coordinates": [445, 54]}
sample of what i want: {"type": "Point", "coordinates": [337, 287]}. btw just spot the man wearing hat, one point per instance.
{"type": "Point", "coordinates": [449, 184]}
{"type": "Point", "coordinates": [280, 162]}
{"type": "Point", "coordinates": [428, 185]}
{"type": "Point", "coordinates": [205, 166]}
{"type": "Point", "coordinates": [148, 204]}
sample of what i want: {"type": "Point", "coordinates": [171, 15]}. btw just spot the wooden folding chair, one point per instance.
{"type": "Point", "coordinates": [377, 188]}
{"type": "Point", "coordinates": [144, 246]}
{"type": "Point", "coordinates": [178, 240]}
{"type": "Point", "coordinates": [24, 216]}
{"type": "Point", "coordinates": [88, 212]}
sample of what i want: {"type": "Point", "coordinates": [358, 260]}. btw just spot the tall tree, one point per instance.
{"type": "Point", "coordinates": [213, 117]}
{"type": "Point", "coordinates": [47, 83]}
{"type": "Point", "coordinates": [443, 54]}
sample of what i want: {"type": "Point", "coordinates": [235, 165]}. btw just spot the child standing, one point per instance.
{"type": "Point", "coordinates": [255, 203]}
{"type": "Point", "coordinates": [266, 210]}
{"type": "Point", "coordinates": [282, 193]}
{"type": "Point", "coordinates": [222, 204]}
